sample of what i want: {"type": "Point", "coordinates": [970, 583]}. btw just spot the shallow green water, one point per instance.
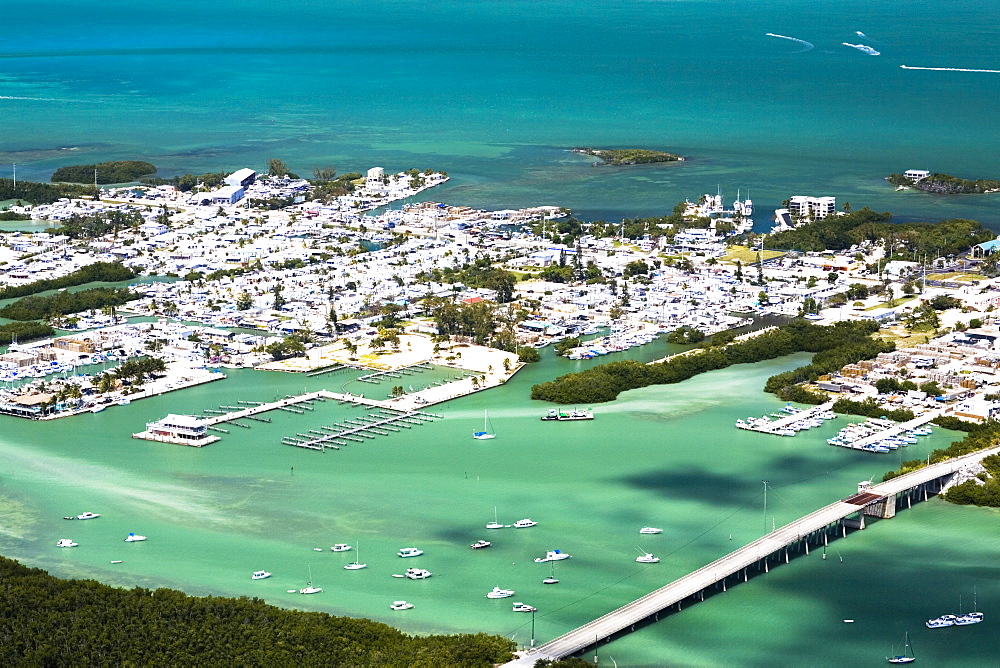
{"type": "Point", "coordinates": [664, 456]}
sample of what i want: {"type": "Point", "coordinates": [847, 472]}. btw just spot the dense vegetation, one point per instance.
{"type": "Point", "coordinates": [480, 273]}
{"type": "Point", "coordinates": [978, 437]}
{"type": "Point", "coordinates": [606, 381]}
{"type": "Point", "coordinates": [52, 622]}
{"type": "Point", "coordinates": [32, 192]}
{"type": "Point", "coordinates": [871, 408]}
{"type": "Point", "coordinates": [22, 332]}
{"type": "Point", "coordinates": [115, 171]}
{"type": "Point", "coordinates": [629, 156]}
{"type": "Point", "coordinates": [14, 215]}
{"type": "Point", "coordinates": [63, 303]}
{"type": "Point", "coordinates": [945, 183]}
{"type": "Point", "coordinates": [187, 182]}
{"type": "Point", "coordinates": [108, 272]}
{"type": "Point", "coordinates": [97, 225]}
{"type": "Point", "coordinates": [949, 237]}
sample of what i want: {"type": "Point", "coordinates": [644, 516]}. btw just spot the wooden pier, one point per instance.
{"type": "Point", "coordinates": [770, 550]}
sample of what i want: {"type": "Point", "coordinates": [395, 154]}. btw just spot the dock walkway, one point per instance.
{"type": "Point", "coordinates": [895, 430]}
{"type": "Point", "coordinates": [733, 563]}
{"type": "Point", "coordinates": [778, 427]}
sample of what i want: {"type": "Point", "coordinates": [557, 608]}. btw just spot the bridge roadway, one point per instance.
{"type": "Point", "coordinates": [628, 615]}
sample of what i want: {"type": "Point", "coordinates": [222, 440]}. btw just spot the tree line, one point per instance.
{"type": "Point", "coordinates": [108, 272]}
{"type": "Point", "coordinates": [604, 382]}
{"type": "Point", "coordinates": [115, 171]}
{"type": "Point", "coordinates": [33, 192]}
{"type": "Point", "coordinates": [53, 622]}
{"type": "Point", "coordinates": [22, 332]}
{"type": "Point", "coordinates": [35, 307]}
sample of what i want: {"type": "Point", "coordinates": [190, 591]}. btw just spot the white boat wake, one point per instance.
{"type": "Point", "coordinates": [947, 69]}
{"type": "Point", "coordinates": [807, 45]}
{"type": "Point", "coordinates": [863, 48]}
{"type": "Point", "coordinates": [860, 34]}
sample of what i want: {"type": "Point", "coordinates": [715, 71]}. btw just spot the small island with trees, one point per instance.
{"type": "Point", "coordinates": [117, 171]}
{"type": "Point", "coordinates": [629, 156]}
{"type": "Point", "coordinates": [944, 184]}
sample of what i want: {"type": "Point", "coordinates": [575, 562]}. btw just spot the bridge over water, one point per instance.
{"type": "Point", "coordinates": [879, 500]}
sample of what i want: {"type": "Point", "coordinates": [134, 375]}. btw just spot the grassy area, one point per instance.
{"type": "Point", "coordinates": [902, 337]}
{"type": "Point", "coordinates": [956, 276]}
{"type": "Point", "coordinates": [892, 304]}
{"type": "Point", "coordinates": [747, 256]}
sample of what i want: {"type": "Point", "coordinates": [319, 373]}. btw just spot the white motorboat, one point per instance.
{"type": "Point", "coordinates": [400, 605]}
{"type": "Point", "coordinates": [134, 538]}
{"type": "Point", "coordinates": [98, 408]}
{"type": "Point", "coordinates": [524, 607]}
{"type": "Point", "coordinates": [940, 622]}
{"type": "Point", "coordinates": [260, 575]}
{"type": "Point", "coordinates": [552, 555]}
{"type": "Point", "coordinates": [310, 589]}
{"type": "Point", "coordinates": [409, 552]}
{"type": "Point", "coordinates": [341, 547]}
{"type": "Point", "coordinates": [648, 558]}
{"type": "Point", "coordinates": [417, 573]}
{"type": "Point", "coordinates": [87, 516]}
{"type": "Point", "coordinates": [500, 593]}
{"type": "Point", "coordinates": [650, 530]}
{"type": "Point", "coordinates": [66, 542]}
{"type": "Point", "coordinates": [480, 544]}
{"type": "Point", "coordinates": [525, 523]}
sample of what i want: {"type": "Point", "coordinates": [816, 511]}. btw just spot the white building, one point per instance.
{"type": "Point", "coordinates": [241, 178]}
{"type": "Point", "coordinates": [916, 174]}
{"type": "Point", "coordinates": [815, 208]}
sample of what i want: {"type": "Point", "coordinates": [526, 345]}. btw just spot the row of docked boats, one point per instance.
{"type": "Point", "coordinates": [954, 620]}
{"type": "Point", "coordinates": [865, 436]}
{"type": "Point", "coordinates": [555, 415]}
{"type": "Point", "coordinates": [782, 426]}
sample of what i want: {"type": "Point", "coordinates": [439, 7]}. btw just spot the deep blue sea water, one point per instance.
{"type": "Point", "coordinates": [495, 92]}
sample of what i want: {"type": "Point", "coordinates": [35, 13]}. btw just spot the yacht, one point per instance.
{"type": "Point", "coordinates": [524, 524]}
{"type": "Point", "coordinates": [66, 542]}
{"type": "Point", "coordinates": [480, 544]}
{"type": "Point", "coordinates": [134, 538]}
{"type": "Point", "coordinates": [941, 622]}
{"type": "Point", "coordinates": [87, 516]}
{"type": "Point", "coordinates": [310, 589]}
{"type": "Point", "coordinates": [648, 558]}
{"type": "Point", "coordinates": [341, 547]}
{"type": "Point", "coordinates": [400, 605]}
{"type": "Point", "coordinates": [575, 414]}
{"type": "Point", "coordinates": [410, 552]}
{"type": "Point", "coordinates": [355, 566]}
{"type": "Point", "coordinates": [961, 620]}
{"type": "Point", "coordinates": [417, 573]}
{"type": "Point", "coordinates": [500, 593]}
{"type": "Point", "coordinates": [650, 530]}
{"type": "Point", "coordinates": [524, 607]}
{"type": "Point", "coordinates": [260, 575]}
{"type": "Point", "coordinates": [552, 555]}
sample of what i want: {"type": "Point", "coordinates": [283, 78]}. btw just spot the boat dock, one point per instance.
{"type": "Point", "coordinates": [774, 548]}
{"type": "Point", "coordinates": [358, 429]}
{"type": "Point", "coordinates": [780, 427]}
{"type": "Point", "coordinates": [891, 432]}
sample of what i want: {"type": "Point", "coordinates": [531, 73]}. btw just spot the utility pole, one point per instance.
{"type": "Point", "coordinates": [14, 164]}
{"type": "Point", "coordinates": [765, 506]}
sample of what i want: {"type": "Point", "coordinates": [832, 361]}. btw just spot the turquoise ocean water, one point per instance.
{"type": "Point", "coordinates": [495, 92]}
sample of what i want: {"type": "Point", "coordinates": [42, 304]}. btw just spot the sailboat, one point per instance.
{"type": "Point", "coordinates": [485, 433]}
{"type": "Point", "coordinates": [551, 580]}
{"type": "Point", "coordinates": [906, 656]}
{"type": "Point", "coordinates": [355, 565]}
{"type": "Point", "coordinates": [494, 524]}
{"type": "Point", "coordinates": [309, 588]}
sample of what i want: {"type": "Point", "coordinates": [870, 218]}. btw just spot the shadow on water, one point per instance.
{"type": "Point", "coordinates": [694, 483]}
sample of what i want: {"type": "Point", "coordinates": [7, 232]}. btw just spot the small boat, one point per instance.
{"type": "Point", "coordinates": [500, 593]}
{"type": "Point", "coordinates": [258, 575]}
{"type": "Point", "coordinates": [341, 547]}
{"type": "Point", "coordinates": [494, 524]}
{"type": "Point", "coordinates": [940, 622]}
{"type": "Point", "coordinates": [963, 620]}
{"type": "Point", "coordinates": [98, 408]}
{"type": "Point", "coordinates": [417, 573]}
{"type": "Point", "coordinates": [309, 588]}
{"type": "Point", "coordinates": [906, 656]}
{"type": "Point", "coordinates": [551, 580]}
{"type": "Point", "coordinates": [480, 544]}
{"type": "Point", "coordinates": [650, 530]}
{"type": "Point", "coordinates": [524, 524]}
{"type": "Point", "coordinates": [524, 607]}
{"type": "Point", "coordinates": [409, 552]}
{"type": "Point", "coordinates": [552, 555]}
{"type": "Point", "coordinates": [87, 516]}
{"type": "Point", "coordinates": [317, 549]}
{"type": "Point", "coordinates": [648, 558]}
{"type": "Point", "coordinates": [400, 605]}
{"type": "Point", "coordinates": [485, 434]}
{"type": "Point", "coordinates": [356, 565]}
{"type": "Point", "coordinates": [66, 542]}
{"type": "Point", "coordinates": [134, 538]}
{"type": "Point", "coordinates": [117, 561]}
